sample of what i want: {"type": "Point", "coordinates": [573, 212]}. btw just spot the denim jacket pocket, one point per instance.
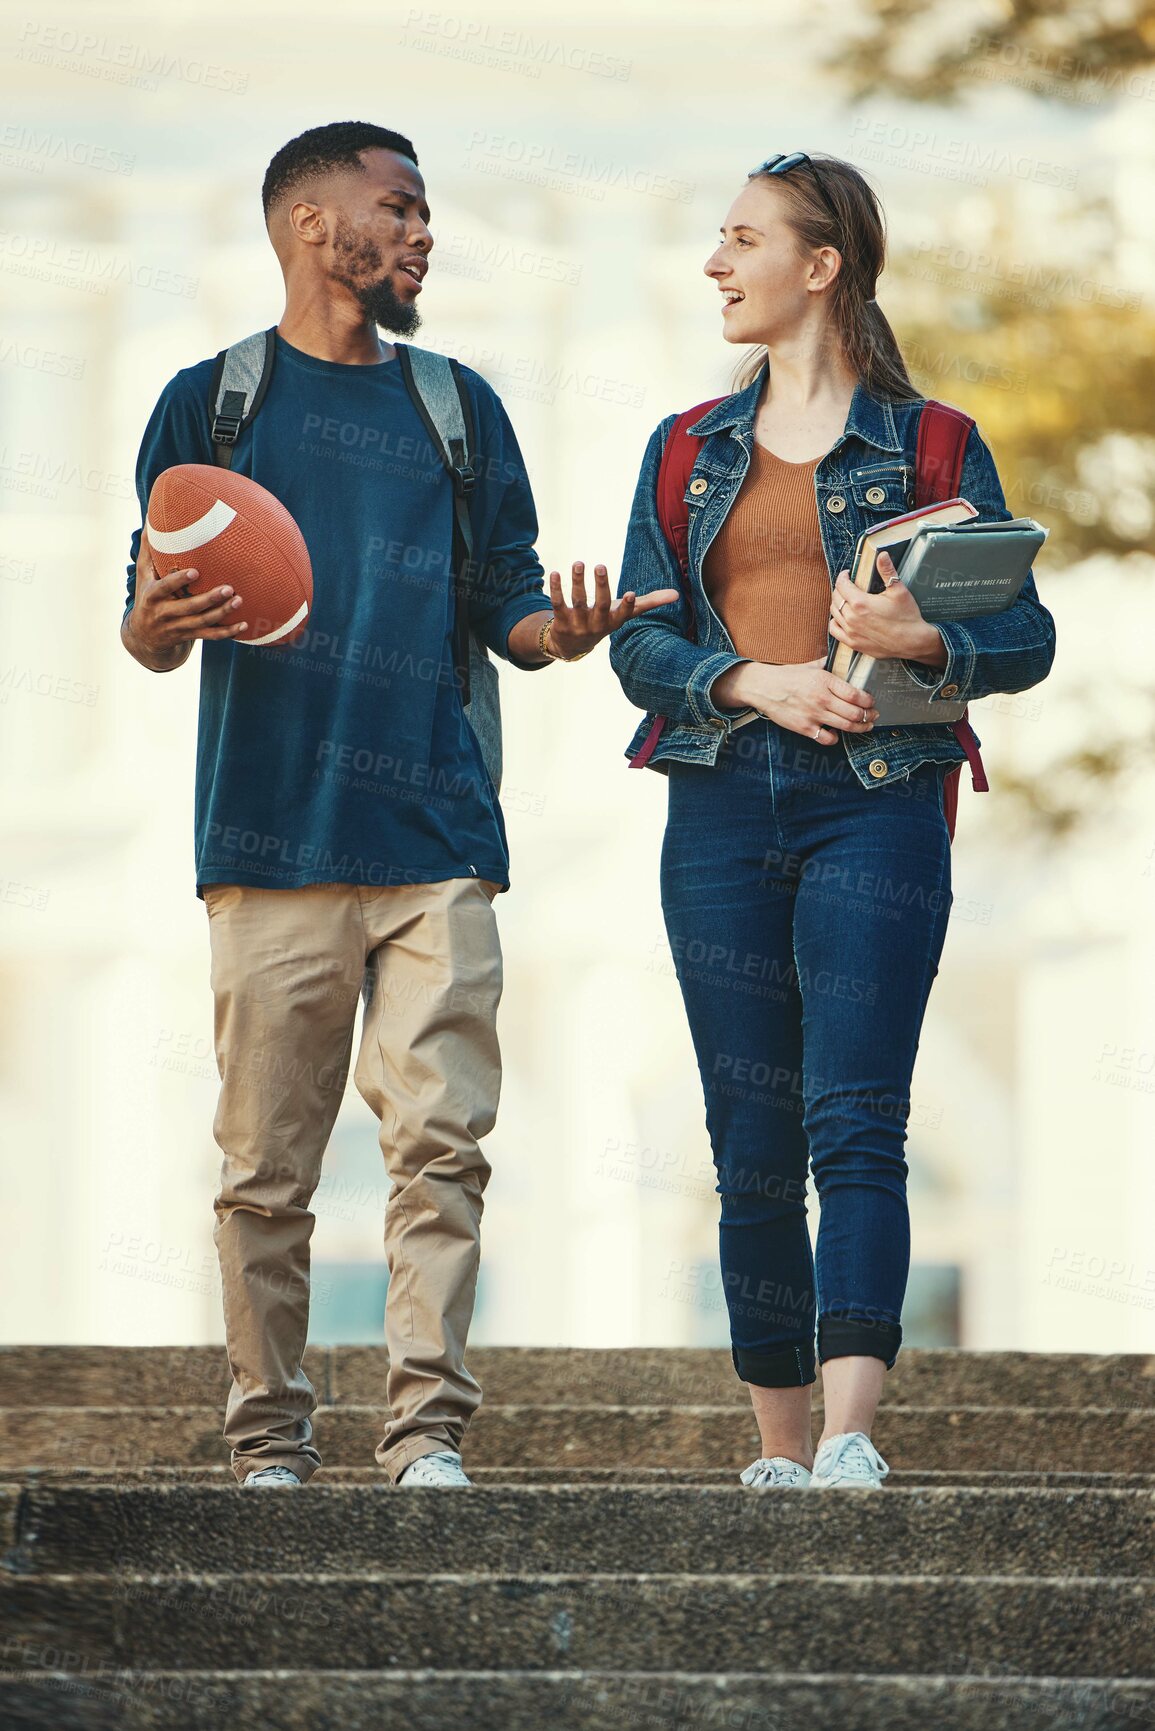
{"type": "Point", "coordinates": [881, 490]}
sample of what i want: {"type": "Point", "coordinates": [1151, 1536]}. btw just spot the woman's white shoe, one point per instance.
{"type": "Point", "coordinates": [849, 1459]}
{"type": "Point", "coordinates": [776, 1470]}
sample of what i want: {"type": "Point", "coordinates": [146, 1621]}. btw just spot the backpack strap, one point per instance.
{"type": "Point", "coordinates": [239, 382]}
{"type": "Point", "coordinates": [942, 440]}
{"type": "Point", "coordinates": [438, 394]}
{"type": "Point", "coordinates": [679, 454]}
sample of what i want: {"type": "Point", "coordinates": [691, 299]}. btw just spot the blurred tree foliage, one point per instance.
{"type": "Point", "coordinates": [1055, 360]}
{"type": "Point", "coordinates": [1072, 53]}
{"type": "Point", "coordinates": [1062, 391]}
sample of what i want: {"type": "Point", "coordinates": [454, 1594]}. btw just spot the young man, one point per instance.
{"type": "Point", "coordinates": [318, 877]}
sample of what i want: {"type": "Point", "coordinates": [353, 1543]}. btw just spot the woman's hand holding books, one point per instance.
{"type": "Point", "coordinates": [888, 623]}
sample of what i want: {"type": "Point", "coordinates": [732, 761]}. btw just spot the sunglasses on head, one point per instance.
{"type": "Point", "coordinates": [784, 162]}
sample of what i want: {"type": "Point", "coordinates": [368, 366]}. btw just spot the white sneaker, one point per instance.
{"type": "Point", "coordinates": [271, 1476]}
{"type": "Point", "coordinates": [848, 1459]}
{"type": "Point", "coordinates": [776, 1470]}
{"type": "Point", "coordinates": [442, 1468]}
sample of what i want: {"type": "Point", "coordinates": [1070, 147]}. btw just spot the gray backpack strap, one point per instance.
{"type": "Point", "coordinates": [237, 389]}
{"type": "Point", "coordinates": [434, 379]}
{"type": "Point", "coordinates": [439, 395]}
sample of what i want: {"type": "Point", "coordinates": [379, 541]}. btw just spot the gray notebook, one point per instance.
{"type": "Point", "coordinates": [953, 573]}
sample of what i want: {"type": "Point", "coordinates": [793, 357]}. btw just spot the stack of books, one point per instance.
{"type": "Point", "coordinates": [955, 567]}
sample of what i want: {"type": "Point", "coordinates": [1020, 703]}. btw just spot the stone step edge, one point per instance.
{"type": "Point", "coordinates": [584, 1478]}
{"type": "Point", "coordinates": [711, 1688]}
{"type": "Point", "coordinates": [517, 1409]}
{"type": "Point", "coordinates": [740, 1578]}
{"type": "Point", "coordinates": [685, 1492]}
{"type": "Point", "coordinates": [816, 1679]}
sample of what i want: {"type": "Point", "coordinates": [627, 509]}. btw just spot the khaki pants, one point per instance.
{"type": "Point", "coordinates": [287, 973]}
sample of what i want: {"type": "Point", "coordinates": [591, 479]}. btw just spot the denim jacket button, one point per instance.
{"type": "Point", "coordinates": [875, 495]}
{"type": "Point", "coordinates": [878, 767]}
{"type": "Point", "coordinates": [836, 503]}
{"type": "Point", "coordinates": [948, 691]}
{"type": "Point", "coordinates": [698, 486]}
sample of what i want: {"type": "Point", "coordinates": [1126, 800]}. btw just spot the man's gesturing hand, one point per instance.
{"type": "Point", "coordinates": [582, 624]}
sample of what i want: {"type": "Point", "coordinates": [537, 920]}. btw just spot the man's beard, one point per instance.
{"type": "Point", "coordinates": [386, 308]}
{"type": "Point", "coordinates": [357, 259]}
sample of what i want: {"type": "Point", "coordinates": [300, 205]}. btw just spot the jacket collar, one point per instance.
{"type": "Point", "coordinates": [870, 419]}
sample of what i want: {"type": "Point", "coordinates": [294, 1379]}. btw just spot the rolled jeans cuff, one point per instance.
{"type": "Point", "coordinates": [843, 1337]}
{"type": "Point", "coordinates": [783, 1367]}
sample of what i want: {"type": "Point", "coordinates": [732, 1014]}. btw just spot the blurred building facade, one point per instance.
{"type": "Point", "coordinates": [573, 207]}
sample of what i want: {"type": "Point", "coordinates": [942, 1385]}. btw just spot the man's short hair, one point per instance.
{"type": "Point", "coordinates": [324, 148]}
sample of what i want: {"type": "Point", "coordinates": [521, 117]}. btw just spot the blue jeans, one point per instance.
{"type": "Point", "coordinates": [806, 914]}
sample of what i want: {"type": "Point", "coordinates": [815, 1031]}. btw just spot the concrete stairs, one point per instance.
{"type": "Point", "coordinates": [607, 1571]}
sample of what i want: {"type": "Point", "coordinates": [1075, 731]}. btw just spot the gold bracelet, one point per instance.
{"type": "Point", "coordinates": [546, 649]}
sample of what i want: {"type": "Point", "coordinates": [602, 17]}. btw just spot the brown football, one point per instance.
{"type": "Point", "coordinates": [232, 531]}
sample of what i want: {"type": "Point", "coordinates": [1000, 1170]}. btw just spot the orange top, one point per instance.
{"type": "Point", "coordinates": [765, 571]}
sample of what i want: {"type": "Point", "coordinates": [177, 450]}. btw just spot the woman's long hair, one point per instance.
{"type": "Point", "coordinates": [858, 322]}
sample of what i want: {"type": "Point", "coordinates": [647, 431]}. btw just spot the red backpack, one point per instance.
{"type": "Point", "coordinates": [942, 437]}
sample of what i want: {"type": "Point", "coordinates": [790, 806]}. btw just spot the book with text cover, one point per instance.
{"type": "Point", "coordinates": [893, 537]}
{"type": "Point", "coordinates": [953, 572]}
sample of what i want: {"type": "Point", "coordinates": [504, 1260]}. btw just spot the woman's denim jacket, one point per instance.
{"type": "Point", "coordinates": [867, 476]}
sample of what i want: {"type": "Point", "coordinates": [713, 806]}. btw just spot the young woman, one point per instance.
{"type": "Point", "coordinates": [806, 862]}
